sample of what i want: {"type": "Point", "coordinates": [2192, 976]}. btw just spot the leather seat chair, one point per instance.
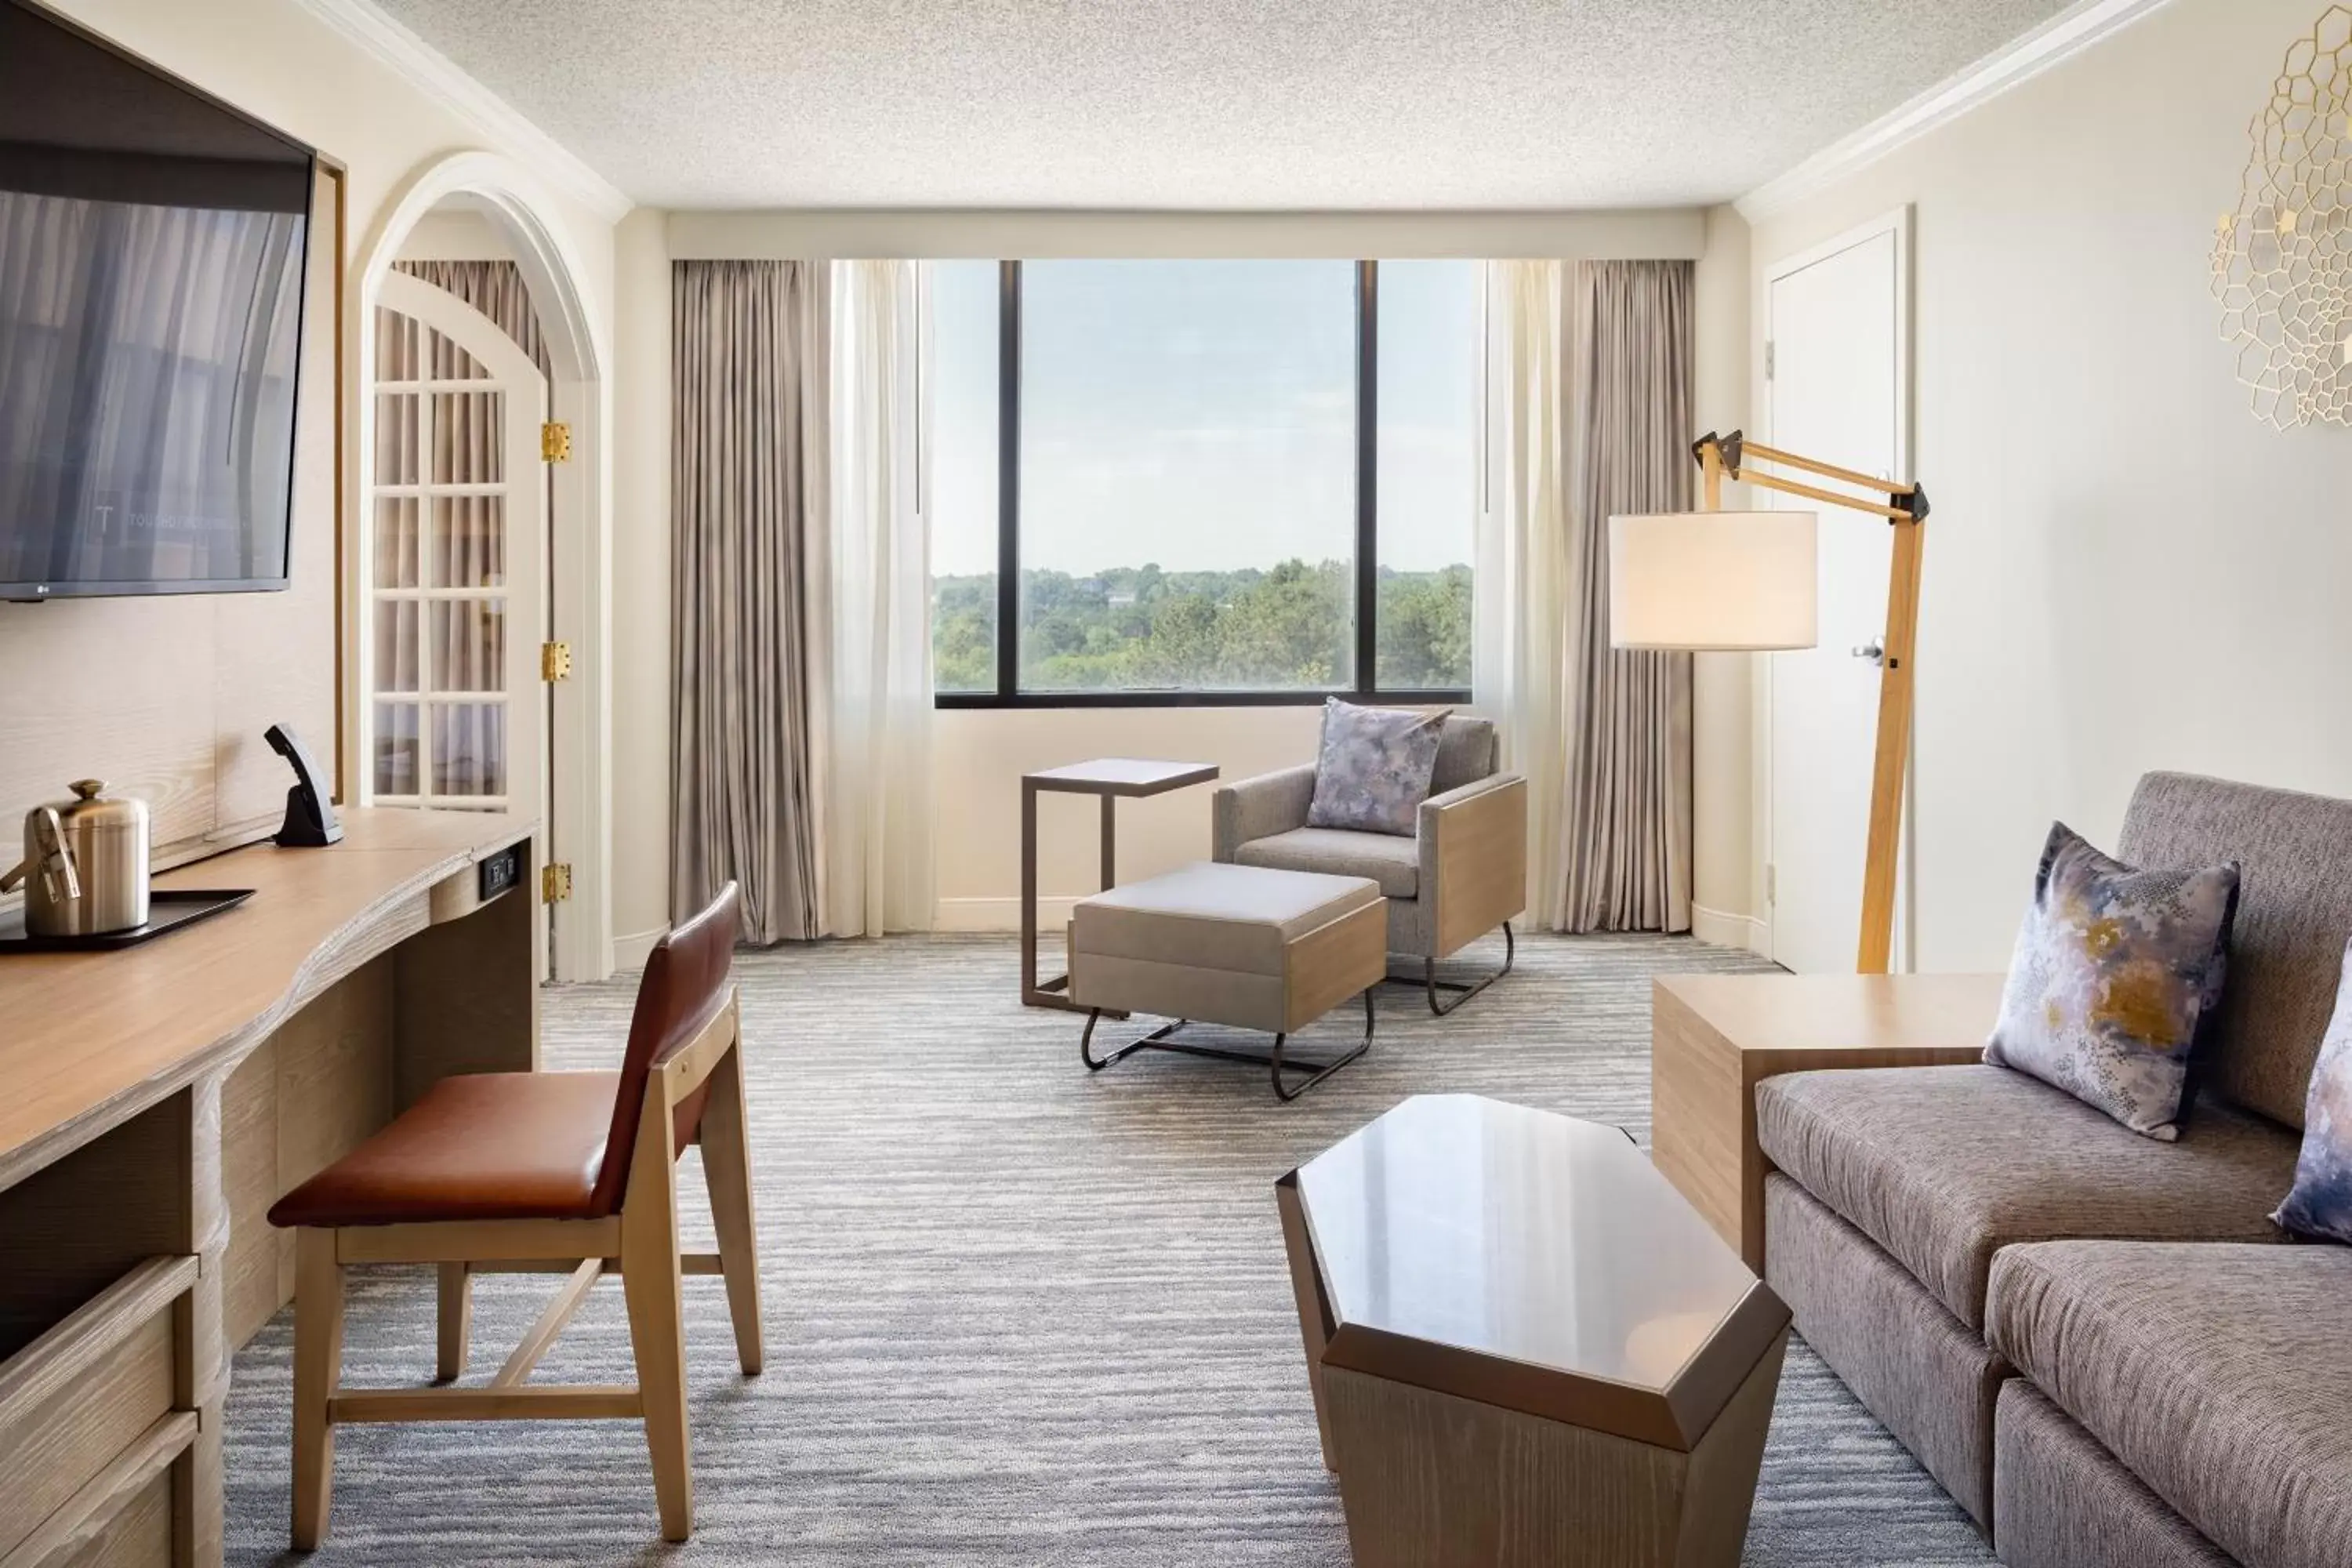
{"type": "Point", "coordinates": [555, 1172]}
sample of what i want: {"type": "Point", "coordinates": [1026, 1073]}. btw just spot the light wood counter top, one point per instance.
{"type": "Point", "coordinates": [91, 1038]}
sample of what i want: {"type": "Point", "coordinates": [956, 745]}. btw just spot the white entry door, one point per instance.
{"type": "Point", "coordinates": [454, 574]}
{"type": "Point", "coordinates": [1836, 389]}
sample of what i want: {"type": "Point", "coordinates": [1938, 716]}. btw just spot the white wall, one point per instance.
{"type": "Point", "coordinates": [641, 730]}
{"type": "Point", "coordinates": [278, 61]}
{"type": "Point", "coordinates": [248, 660]}
{"type": "Point", "coordinates": [1655, 232]}
{"type": "Point", "coordinates": [982, 755]}
{"type": "Point", "coordinates": [455, 233]}
{"type": "Point", "coordinates": [2124, 571]}
{"type": "Point", "coordinates": [1722, 905]}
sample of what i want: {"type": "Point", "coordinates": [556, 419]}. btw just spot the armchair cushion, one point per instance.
{"type": "Point", "coordinates": [1465, 752]}
{"type": "Point", "coordinates": [1383, 857]}
{"type": "Point", "coordinates": [1259, 807]}
{"type": "Point", "coordinates": [1374, 767]}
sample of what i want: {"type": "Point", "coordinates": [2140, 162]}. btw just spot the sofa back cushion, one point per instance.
{"type": "Point", "coordinates": [1465, 752]}
{"type": "Point", "coordinates": [2114, 969]}
{"type": "Point", "coordinates": [2320, 1205]}
{"type": "Point", "coordinates": [2294, 916]}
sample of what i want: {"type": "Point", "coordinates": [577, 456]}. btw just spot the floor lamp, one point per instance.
{"type": "Point", "coordinates": [1717, 580]}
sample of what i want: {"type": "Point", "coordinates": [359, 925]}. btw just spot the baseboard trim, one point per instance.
{"type": "Point", "coordinates": [631, 952]}
{"type": "Point", "coordinates": [1001, 914]}
{"type": "Point", "coordinates": [1725, 929]}
{"type": "Point", "coordinates": [2071, 31]}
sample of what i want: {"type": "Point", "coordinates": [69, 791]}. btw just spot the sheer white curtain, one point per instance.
{"type": "Point", "coordinates": [1523, 614]}
{"type": "Point", "coordinates": [877, 719]}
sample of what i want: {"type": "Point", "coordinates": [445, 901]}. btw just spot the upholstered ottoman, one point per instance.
{"type": "Point", "coordinates": [1247, 946]}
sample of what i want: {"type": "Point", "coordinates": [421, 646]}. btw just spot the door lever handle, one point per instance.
{"type": "Point", "coordinates": [1872, 650]}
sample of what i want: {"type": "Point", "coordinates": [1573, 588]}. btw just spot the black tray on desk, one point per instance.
{"type": "Point", "coordinates": [167, 912]}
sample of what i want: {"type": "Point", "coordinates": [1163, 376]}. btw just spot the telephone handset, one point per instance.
{"type": "Point", "coordinates": [309, 815]}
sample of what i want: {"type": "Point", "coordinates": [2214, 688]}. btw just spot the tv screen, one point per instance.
{"type": "Point", "coordinates": [151, 266]}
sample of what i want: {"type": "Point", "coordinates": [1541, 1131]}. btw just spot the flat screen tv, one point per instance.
{"type": "Point", "coordinates": [152, 269]}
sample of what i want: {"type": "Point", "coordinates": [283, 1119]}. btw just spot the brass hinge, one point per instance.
{"type": "Point", "coordinates": [554, 660]}
{"type": "Point", "coordinates": [555, 442]}
{"type": "Point", "coordinates": [554, 883]}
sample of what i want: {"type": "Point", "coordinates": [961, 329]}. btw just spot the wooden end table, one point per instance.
{"type": "Point", "coordinates": [1111, 778]}
{"type": "Point", "coordinates": [1713, 1037]}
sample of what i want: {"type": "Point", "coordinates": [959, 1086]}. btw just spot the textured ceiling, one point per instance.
{"type": "Point", "coordinates": [1284, 104]}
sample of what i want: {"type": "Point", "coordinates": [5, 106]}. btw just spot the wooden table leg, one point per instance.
{"type": "Point", "coordinates": [1029, 992]}
{"type": "Point", "coordinates": [1109, 842]}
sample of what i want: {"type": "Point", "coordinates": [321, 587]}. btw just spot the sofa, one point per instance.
{"type": "Point", "coordinates": [1460, 874]}
{"type": "Point", "coordinates": [2097, 1342]}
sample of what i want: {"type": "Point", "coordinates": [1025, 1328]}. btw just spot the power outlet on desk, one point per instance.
{"type": "Point", "coordinates": [495, 874]}
{"type": "Point", "coordinates": [499, 872]}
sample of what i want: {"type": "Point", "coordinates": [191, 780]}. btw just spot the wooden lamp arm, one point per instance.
{"type": "Point", "coordinates": [1906, 507]}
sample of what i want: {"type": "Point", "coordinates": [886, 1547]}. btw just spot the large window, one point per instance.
{"type": "Point", "coordinates": [1202, 480]}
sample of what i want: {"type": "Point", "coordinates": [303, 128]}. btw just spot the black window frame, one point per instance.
{"type": "Point", "coordinates": [1366, 687]}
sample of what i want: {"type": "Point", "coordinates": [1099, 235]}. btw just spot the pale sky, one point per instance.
{"type": "Point", "coordinates": [1202, 415]}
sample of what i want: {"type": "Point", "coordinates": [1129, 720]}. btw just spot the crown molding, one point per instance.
{"type": "Point", "coordinates": [441, 79]}
{"type": "Point", "coordinates": [2070, 32]}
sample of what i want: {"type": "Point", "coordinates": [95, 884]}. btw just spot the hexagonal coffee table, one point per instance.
{"type": "Point", "coordinates": [1525, 1346]}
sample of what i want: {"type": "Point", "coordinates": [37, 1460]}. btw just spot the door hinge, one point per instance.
{"type": "Point", "coordinates": [555, 442]}
{"type": "Point", "coordinates": [554, 883]}
{"type": "Point", "coordinates": [1771, 884]}
{"type": "Point", "coordinates": [554, 660]}
{"type": "Point", "coordinates": [1771, 356]}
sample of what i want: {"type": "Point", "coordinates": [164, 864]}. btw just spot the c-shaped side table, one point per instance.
{"type": "Point", "coordinates": [1110, 778]}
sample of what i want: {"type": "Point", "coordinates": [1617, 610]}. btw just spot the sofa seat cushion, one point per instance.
{"type": "Point", "coordinates": [2217, 1375]}
{"type": "Point", "coordinates": [1945, 1166]}
{"type": "Point", "coordinates": [1395, 863]}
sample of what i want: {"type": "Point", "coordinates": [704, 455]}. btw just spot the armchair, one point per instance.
{"type": "Point", "coordinates": [1462, 874]}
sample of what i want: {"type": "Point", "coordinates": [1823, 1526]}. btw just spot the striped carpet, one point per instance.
{"type": "Point", "coordinates": [1016, 1313]}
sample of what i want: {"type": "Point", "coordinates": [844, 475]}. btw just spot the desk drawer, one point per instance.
{"type": "Point", "coordinates": [88, 1430]}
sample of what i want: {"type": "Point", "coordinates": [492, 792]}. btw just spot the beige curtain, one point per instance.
{"type": "Point", "coordinates": [1522, 620]}
{"type": "Point", "coordinates": [877, 715]}
{"type": "Point", "coordinates": [1629, 773]}
{"type": "Point", "coordinates": [748, 499]}
{"type": "Point", "coordinates": [496, 289]}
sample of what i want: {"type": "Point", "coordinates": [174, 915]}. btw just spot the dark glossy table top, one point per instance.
{"type": "Point", "coordinates": [1456, 1230]}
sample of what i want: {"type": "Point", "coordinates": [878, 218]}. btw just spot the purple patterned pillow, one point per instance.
{"type": "Point", "coordinates": [1374, 768]}
{"type": "Point", "coordinates": [2114, 970]}
{"type": "Point", "coordinates": [2320, 1203]}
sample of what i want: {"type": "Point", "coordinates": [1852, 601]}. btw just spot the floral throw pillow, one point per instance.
{"type": "Point", "coordinates": [1374, 768]}
{"type": "Point", "coordinates": [2320, 1204]}
{"type": "Point", "coordinates": [2114, 970]}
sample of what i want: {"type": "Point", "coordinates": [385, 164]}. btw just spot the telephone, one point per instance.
{"type": "Point", "coordinates": [310, 821]}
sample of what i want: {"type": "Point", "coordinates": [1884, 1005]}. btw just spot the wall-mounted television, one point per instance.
{"type": "Point", "coordinates": [153, 260]}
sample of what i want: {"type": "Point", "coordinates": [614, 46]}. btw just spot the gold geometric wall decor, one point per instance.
{"type": "Point", "coordinates": [2282, 261]}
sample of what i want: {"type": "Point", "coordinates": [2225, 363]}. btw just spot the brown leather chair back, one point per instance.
{"type": "Point", "coordinates": [685, 985]}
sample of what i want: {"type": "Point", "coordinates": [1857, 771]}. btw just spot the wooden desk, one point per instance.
{"type": "Point", "coordinates": [1111, 778]}
{"type": "Point", "coordinates": [156, 1101]}
{"type": "Point", "coordinates": [1713, 1037]}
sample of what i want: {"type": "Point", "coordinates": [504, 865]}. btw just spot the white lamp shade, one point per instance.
{"type": "Point", "coordinates": [1712, 580]}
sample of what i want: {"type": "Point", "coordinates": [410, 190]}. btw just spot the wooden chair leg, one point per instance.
{"type": "Point", "coordinates": [726, 1171]}
{"type": "Point", "coordinates": [456, 1322]}
{"type": "Point", "coordinates": [653, 1283]}
{"type": "Point", "coordinates": [317, 1368]}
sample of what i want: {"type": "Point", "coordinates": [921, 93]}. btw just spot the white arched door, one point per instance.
{"type": "Point", "coordinates": [453, 571]}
